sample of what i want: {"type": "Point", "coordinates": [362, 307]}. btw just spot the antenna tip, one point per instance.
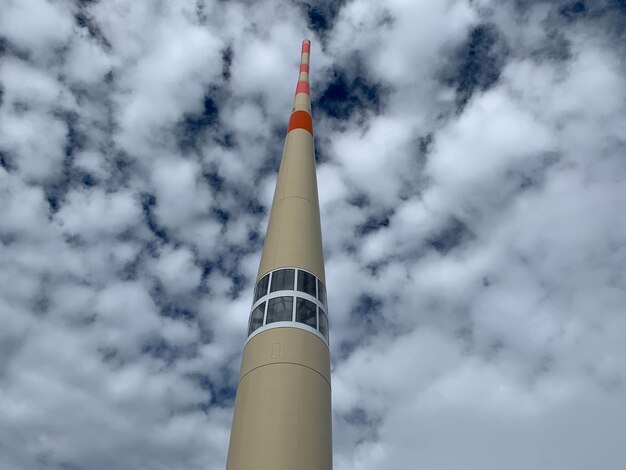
{"type": "Point", "coordinates": [306, 46]}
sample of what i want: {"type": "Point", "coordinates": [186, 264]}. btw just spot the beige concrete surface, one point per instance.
{"type": "Point", "coordinates": [294, 236]}
{"type": "Point", "coordinates": [282, 418]}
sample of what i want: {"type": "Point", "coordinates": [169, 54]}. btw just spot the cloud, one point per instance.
{"type": "Point", "coordinates": [37, 27]}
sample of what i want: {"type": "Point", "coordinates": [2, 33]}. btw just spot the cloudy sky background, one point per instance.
{"type": "Point", "coordinates": [471, 168]}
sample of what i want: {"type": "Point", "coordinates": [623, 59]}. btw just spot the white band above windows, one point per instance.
{"type": "Point", "coordinates": [289, 297]}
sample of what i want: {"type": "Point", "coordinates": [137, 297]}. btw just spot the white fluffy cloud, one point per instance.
{"type": "Point", "coordinates": [471, 185]}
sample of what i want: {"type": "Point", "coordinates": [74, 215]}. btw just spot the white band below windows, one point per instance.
{"type": "Point", "coordinates": [287, 324]}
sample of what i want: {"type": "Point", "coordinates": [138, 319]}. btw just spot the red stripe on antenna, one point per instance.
{"type": "Point", "coordinates": [306, 46]}
{"type": "Point", "coordinates": [303, 87]}
{"type": "Point", "coordinates": [304, 68]}
{"type": "Point", "coordinates": [300, 120]}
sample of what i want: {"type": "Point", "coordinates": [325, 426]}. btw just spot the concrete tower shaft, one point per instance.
{"type": "Point", "coordinates": [282, 418]}
{"type": "Point", "coordinates": [294, 235]}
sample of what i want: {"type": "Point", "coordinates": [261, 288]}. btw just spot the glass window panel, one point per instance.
{"type": "Point", "coordinates": [306, 283]}
{"type": "Point", "coordinates": [306, 312]}
{"type": "Point", "coordinates": [283, 279]}
{"type": "Point", "coordinates": [279, 309]}
{"type": "Point", "coordinates": [256, 318]}
{"type": "Point", "coordinates": [323, 324]}
{"type": "Point", "coordinates": [261, 287]}
{"type": "Point", "coordinates": [321, 292]}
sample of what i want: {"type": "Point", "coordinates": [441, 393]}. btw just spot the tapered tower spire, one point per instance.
{"type": "Point", "coordinates": [282, 418]}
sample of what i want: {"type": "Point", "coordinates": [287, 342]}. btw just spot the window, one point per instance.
{"type": "Point", "coordinates": [282, 280]}
{"type": "Point", "coordinates": [261, 287]}
{"type": "Point", "coordinates": [288, 287]}
{"type": "Point", "coordinates": [256, 318]}
{"type": "Point", "coordinates": [321, 292]}
{"type": "Point", "coordinates": [279, 309]}
{"type": "Point", "coordinates": [323, 324]}
{"type": "Point", "coordinates": [306, 312]}
{"type": "Point", "coordinates": [306, 283]}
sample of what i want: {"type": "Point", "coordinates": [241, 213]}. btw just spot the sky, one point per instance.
{"type": "Point", "coordinates": [471, 163]}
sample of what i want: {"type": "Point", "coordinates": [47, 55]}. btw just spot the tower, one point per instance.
{"type": "Point", "coordinates": [282, 418]}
